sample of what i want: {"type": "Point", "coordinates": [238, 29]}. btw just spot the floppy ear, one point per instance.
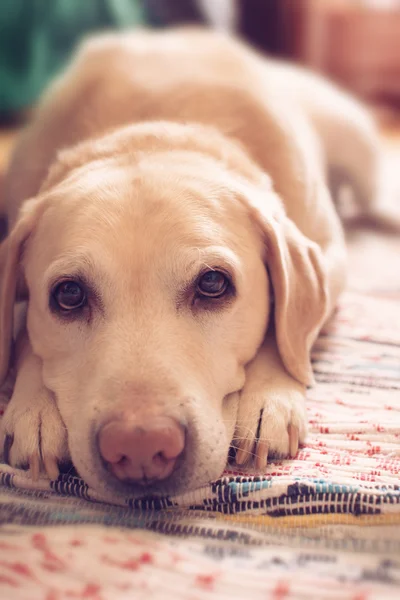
{"type": "Point", "coordinates": [296, 268]}
{"type": "Point", "coordinates": [10, 255]}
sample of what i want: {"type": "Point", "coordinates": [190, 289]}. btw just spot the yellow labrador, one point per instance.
{"type": "Point", "coordinates": [174, 240]}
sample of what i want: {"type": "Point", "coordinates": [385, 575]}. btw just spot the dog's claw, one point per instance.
{"type": "Point", "coordinates": [51, 466]}
{"type": "Point", "coordinates": [261, 454]}
{"type": "Point", "coordinates": [34, 465]}
{"type": "Point", "coordinates": [8, 442]}
{"type": "Point", "coordinates": [293, 440]}
{"type": "Point", "coordinates": [245, 452]}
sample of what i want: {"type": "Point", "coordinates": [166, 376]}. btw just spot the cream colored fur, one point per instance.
{"type": "Point", "coordinates": [154, 156]}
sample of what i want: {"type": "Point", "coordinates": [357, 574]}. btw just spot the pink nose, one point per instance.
{"type": "Point", "coordinates": [141, 452]}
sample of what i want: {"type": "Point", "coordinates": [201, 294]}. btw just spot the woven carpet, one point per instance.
{"type": "Point", "coordinates": [324, 525]}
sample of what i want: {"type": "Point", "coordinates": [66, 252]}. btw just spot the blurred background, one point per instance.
{"type": "Point", "coordinates": [356, 42]}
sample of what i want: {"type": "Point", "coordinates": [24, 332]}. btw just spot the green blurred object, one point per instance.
{"type": "Point", "coordinates": [38, 36]}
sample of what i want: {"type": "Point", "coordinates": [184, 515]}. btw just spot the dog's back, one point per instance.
{"type": "Point", "coordinates": [195, 75]}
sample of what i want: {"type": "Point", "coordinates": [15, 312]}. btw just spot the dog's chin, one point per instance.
{"type": "Point", "coordinates": [104, 483]}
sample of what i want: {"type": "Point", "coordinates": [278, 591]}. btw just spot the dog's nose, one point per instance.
{"type": "Point", "coordinates": [141, 452]}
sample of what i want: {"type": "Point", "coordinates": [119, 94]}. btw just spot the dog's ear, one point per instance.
{"type": "Point", "coordinates": [296, 268]}
{"type": "Point", "coordinates": [298, 276]}
{"type": "Point", "coordinates": [11, 251]}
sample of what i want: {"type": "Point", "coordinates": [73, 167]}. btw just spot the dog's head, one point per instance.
{"type": "Point", "coordinates": [147, 261]}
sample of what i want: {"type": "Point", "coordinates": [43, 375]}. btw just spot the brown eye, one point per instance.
{"type": "Point", "coordinates": [213, 284]}
{"type": "Point", "coordinates": [69, 295]}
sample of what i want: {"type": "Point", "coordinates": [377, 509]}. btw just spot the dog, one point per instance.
{"type": "Point", "coordinates": [173, 253]}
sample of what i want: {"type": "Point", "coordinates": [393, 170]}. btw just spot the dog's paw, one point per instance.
{"type": "Point", "coordinates": [33, 435]}
{"type": "Point", "coordinates": [272, 421]}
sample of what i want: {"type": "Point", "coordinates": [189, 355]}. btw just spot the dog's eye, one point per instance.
{"type": "Point", "coordinates": [69, 295]}
{"type": "Point", "coordinates": [212, 284]}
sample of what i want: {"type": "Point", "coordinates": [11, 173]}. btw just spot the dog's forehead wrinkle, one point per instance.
{"type": "Point", "coordinates": [117, 207]}
{"type": "Point", "coordinates": [135, 224]}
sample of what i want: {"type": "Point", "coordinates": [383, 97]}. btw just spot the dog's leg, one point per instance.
{"type": "Point", "coordinates": [346, 129]}
{"type": "Point", "coordinates": [350, 140]}
{"type": "Point", "coordinates": [272, 418]}
{"type": "Point", "coordinates": [32, 433]}
{"type": "Point", "coordinates": [352, 147]}
{"type": "Point", "coordinates": [353, 152]}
